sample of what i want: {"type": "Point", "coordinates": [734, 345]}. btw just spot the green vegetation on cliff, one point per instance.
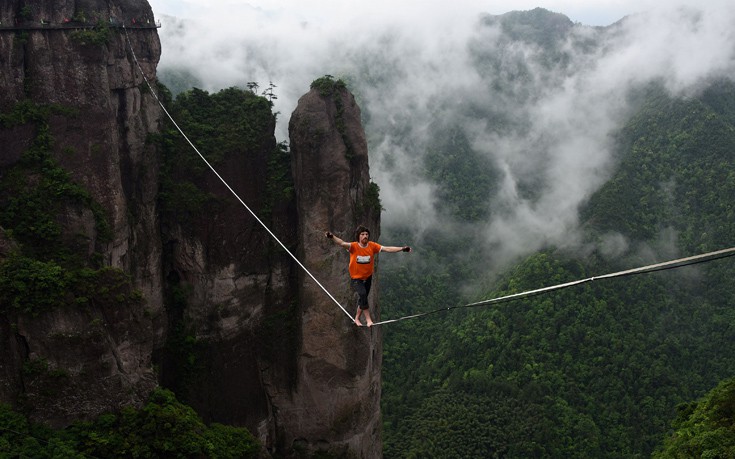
{"type": "Point", "coordinates": [231, 122]}
{"type": "Point", "coordinates": [328, 86]}
{"type": "Point", "coordinates": [50, 265]}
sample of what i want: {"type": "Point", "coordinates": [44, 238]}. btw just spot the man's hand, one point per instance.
{"type": "Point", "coordinates": [406, 249]}
{"type": "Point", "coordinates": [329, 235]}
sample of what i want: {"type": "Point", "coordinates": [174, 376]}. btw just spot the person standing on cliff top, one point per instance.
{"type": "Point", "coordinates": [362, 264]}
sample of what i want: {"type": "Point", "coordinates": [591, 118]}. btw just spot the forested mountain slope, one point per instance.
{"type": "Point", "coordinates": [595, 370]}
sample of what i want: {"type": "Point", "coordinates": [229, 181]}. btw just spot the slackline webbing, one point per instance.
{"type": "Point", "coordinates": [155, 94]}
{"type": "Point", "coordinates": [678, 263]}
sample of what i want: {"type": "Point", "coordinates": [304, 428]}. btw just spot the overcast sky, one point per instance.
{"type": "Point", "coordinates": [423, 49]}
{"type": "Point", "coordinates": [597, 12]}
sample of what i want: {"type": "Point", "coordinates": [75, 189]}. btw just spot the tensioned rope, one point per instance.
{"type": "Point", "coordinates": [224, 182]}
{"type": "Point", "coordinates": [678, 263]}
{"type": "Point", "coordinates": [710, 256]}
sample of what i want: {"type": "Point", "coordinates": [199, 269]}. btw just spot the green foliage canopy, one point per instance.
{"type": "Point", "coordinates": [163, 427]}
{"type": "Point", "coordinates": [705, 428]}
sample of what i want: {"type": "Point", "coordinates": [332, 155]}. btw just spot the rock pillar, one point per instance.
{"type": "Point", "coordinates": [336, 402]}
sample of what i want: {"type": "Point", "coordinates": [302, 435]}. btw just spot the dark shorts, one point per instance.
{"type": "Point", "coordinates": [362, 287]}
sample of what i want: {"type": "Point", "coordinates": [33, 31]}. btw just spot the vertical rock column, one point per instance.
{"type": "Point", "coordinates": [336, 402]}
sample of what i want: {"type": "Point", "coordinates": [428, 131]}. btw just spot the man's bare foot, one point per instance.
{"type": "Point", "coordinates": [369, 323]}
{"type": "Point", "coordinates": [357, 322]}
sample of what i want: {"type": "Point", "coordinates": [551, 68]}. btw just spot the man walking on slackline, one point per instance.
{"type": "Point", "coordinates": [362, 264]}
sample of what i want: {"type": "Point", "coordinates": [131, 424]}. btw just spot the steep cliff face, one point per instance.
{"type": "Point", "coordinates": [78, 199]}
{"type": "Point", "coordinates": [231, 289]}
{"type": "Point", "coordinates": [337, 396]}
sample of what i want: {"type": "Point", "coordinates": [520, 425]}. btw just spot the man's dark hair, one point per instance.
{"type": "Point", "coordinates": [361, 229]}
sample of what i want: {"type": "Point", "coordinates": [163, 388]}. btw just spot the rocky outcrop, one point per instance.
{"type": "Point", "coordinates": [336, 400]}
{"type": "Point", "coordinates": [231, 288]}
{"type": "Point", "coordinates": [266, 347]}
{"type": "Point", "coordinates": [73, 93]}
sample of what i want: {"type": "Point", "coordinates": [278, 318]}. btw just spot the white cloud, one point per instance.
{"type": "Point", "coordinates": [601, 12]}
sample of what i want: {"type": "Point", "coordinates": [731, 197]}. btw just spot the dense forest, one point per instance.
{"type": "Point", "coordinates": [164, 427]}
{"type": "Point", "coordinates": [591, 371]}
{"type": "Point", "coordinates": [598, 370]}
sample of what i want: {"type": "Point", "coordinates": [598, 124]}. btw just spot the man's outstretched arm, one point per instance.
{"type": "Point", "coordinates": [394, 249]}
{"type": "Point", "coordinates": [337, 240]}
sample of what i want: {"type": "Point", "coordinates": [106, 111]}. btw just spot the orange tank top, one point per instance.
{"type": "Point", "coordinates": [362, 259]}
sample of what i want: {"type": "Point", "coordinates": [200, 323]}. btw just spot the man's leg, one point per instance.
{"type": "Point", "coordinates": [359, 287]}
{"type": "Point", "coordinates": [368, 284]}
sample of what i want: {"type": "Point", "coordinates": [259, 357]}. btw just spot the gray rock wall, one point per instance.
{"type": "Point", "coordinates": [336, 401]}
{"type": "Point", "coordinates": [95, 358]}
